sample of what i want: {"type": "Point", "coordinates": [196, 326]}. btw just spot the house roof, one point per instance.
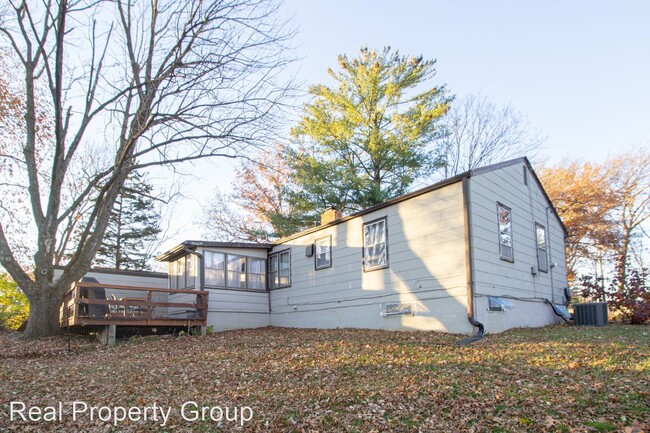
{"type": "Point", "coordinates": [187, 246]}
{"type": "Point", "coordinates": [435, 186]}
{"type": "Point", "coordinates": [98, 270]}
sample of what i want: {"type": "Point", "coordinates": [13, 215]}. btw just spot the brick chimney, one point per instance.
{"type": "Point", "coordinates": [330, 215]}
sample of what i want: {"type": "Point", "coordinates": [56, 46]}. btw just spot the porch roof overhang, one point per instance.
{"type": "Point", "coordinates": [187, 247]}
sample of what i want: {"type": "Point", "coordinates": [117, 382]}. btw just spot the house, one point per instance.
{"type": "Point", "coordinates": [481, 250]}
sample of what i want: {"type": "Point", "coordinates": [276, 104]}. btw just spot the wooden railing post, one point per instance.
{"type": "Point", "coordinates": [149, 306]}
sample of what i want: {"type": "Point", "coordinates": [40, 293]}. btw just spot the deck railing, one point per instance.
{"type": "Point", "coordinates": [91, 304]}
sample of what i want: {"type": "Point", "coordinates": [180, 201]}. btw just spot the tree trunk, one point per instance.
{"type": "Point", "coordinates": [44, 314]}
{"type": "Point", "coordinates": [622, 260]}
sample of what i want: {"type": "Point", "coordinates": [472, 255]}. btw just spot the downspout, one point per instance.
{"type": "Point", "coordinates": [469, 266]}
{"type": "Point", "coordinates": [550, 256]}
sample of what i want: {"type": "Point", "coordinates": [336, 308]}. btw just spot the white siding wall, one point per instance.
{"type": "Point", "coordinates": [497, 277]}
{"type": "Point", "coordinates": [427, 266]}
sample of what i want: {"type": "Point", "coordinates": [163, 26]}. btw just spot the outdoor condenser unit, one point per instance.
{"type": "Point", "coordinates": [590, 314]}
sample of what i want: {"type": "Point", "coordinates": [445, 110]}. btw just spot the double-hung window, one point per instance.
{"type": "Point", "coordinates": [505, 232]}
{"type": "Point", "coordinates": [375, 245]}
{"type": "Point", "coordinates": [323, 252]}
{"type": "Point", "coordinates": [280, 269]}
{"type": "Point", "coordinates": [540, 238]}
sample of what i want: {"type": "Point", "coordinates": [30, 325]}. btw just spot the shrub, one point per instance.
{"type": "Point", "coordinates": [631, 300]}
{"type": "Point", "coordinates": [14, 307]}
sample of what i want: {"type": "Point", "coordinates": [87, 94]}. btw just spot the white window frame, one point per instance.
{"type": "Point", "coordinates": [502, 251]}
{"type": "Point", "coordinates": [323, 246]}
{"type": "Point", "coordinates": [542, 250]}
{"type": "Point", "coordinates": [366, 257]}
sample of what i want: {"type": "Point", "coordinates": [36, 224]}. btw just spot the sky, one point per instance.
{"type": "Point", "coordinates": [579, 71]}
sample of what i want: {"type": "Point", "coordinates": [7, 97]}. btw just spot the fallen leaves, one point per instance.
{"type": "Point", "coordinates": [553, 379]}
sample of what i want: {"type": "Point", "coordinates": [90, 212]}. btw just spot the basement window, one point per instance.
{"type": "Point", "coordinates": [397, 309]}
{"type": "Point", "coordinates": [499, 304]}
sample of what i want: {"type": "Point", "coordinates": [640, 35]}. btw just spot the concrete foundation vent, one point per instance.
{"type": "Point", "coordinates": [590, 314]}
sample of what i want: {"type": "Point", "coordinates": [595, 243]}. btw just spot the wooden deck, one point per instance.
{"type": "Point", "coordinates": [97, 304]}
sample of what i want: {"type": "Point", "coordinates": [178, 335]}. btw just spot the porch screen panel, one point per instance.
{"type": "Point", "coordinates": [172, 275]}
{"type": "Point", "coordinates": [180, 273]}
{"type": "Point", "coordinates": [190, 275]}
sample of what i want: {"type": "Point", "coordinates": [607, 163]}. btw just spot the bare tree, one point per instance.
{"type": "Point", "coordinates": [629, 177]}
{"type": "Point", "coordinates": [151, 82]}
{"type": "Point", "coordinates": [258, 209]}
{"type": "Point", "coordinates": [477, 132]}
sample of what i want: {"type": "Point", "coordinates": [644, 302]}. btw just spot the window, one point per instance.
{"type": "Point", "coordinates": [499, 304]}
{"type": "Point", "coordinates": [190, 275]}
{"type": "Point", "coordinates": [397, 309]}
{"type": "Point", "coordinates": [505, 233]}
{"type": "Point", "coordinates": [236, 272]}
{"type": "Point", "coordinates": [324, 252]}
{"type": "Point", "coordinates": [172, 275]}
{"type": "Point", "coordinates": [540, 237]}
{"type": "Point", "coordinates": [214, 269]}
{"type": "Point", "coordinates": [256, 274]}
{"type": "Point", "coordinates": [182, 273]}
{"type": "Point", "coordinates": [375, 245]}
{"type": "Point", "coordinates": [232, 271]}
{"type": "Point", "coordinates": [280, 270]}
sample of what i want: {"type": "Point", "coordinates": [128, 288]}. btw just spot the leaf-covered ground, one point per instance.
{"type": "Point", "coordinates": [556, 379]}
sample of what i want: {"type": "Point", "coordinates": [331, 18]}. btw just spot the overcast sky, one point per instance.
{"type": "Point", "coordinates": [578, 70]}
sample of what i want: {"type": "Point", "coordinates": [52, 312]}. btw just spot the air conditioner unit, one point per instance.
{"type": "Point", "coordinates": [590, 314]}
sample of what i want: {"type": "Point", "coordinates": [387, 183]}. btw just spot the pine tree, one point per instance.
{"type": "Point", "coordinates": [369, 139]}
{"type": "Point", "coordinates": [133, 227]}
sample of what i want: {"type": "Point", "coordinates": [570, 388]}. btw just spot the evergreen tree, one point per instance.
{"type": "Point", "coordinates": [369, 139]}
{"type": "Point", "coordinates": [133, 228]}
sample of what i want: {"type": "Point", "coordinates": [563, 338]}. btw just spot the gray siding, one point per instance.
{"type": "Point", "coordinates": [496, 277]}
{"type": "Point", "coordinates": [426, 244]}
